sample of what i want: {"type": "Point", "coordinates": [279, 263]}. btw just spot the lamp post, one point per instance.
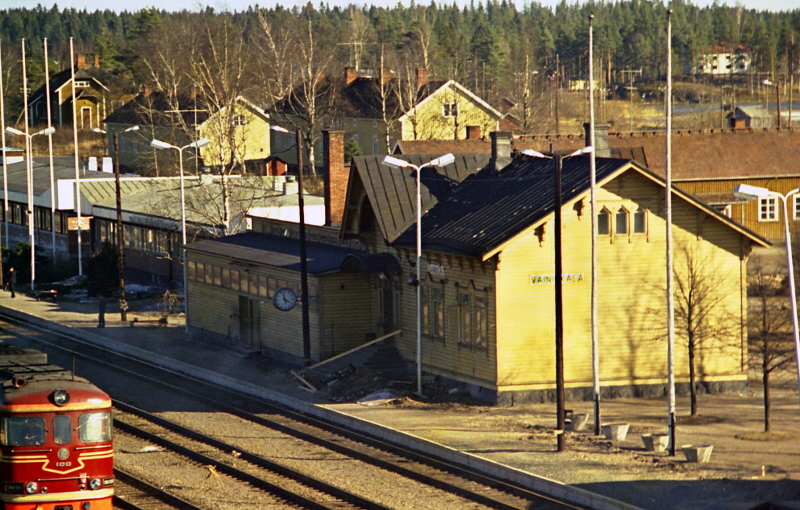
{"type": "Point", "coordinates": [748, 192]}
{"type": "Point", "coordinates": [29, 178]}
{"type": "Point", "coordinates": [399, 163]}
{"type": "Point", "coordinates": [158, 144]}
{"type": "Point", "coordinates": [123, 305]}
{"type": "Point", "coordinates": [560, 392]}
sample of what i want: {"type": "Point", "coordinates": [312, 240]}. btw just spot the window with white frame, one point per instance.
{"type": "Point", "coordinates": [239, 120]}
{"type": "Point", "coordinates": [450, 109]}
{"type": "Point", "coordinates": [82, 84]}
{"type": "Point", "coordinates": [768, 209]}
{"type": "Point", "coordinates": [796, 207]}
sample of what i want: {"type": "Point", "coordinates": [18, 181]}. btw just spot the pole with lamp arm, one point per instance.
{"type": "Point", "coordinates": [123, 305]}
{"type": "Point", "coordinates": [748, 192]}
{"type": "Point", "coordinates": [29, 167]}
{"type": "Point", "coordinates": [393, 162]}
{"type": "Point", "coordinates": [559, 304]}
{"type": "Point", "coordinates": [158, 144]}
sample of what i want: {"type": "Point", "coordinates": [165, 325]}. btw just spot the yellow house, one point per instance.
{"type": "Point", "coordinates": [239, 136]}
{"type": "Point", "coordinates": [446, 112]}
{"type": "Point", "coordinates": [91, 98]}
{"type": "Point", "coordinates": [376, 112]}
{"type": "Point", "coordinates": [488, 284]}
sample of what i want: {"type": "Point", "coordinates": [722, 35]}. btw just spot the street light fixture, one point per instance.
{"type": "Point", "coordinates": [197, 144]}
{"type": "Point", "coordinates": [560, 391]}
{"type": "Point", "coordinates": [29, 179]}
{"type": "Point", "coordinates": [393, 162]}
{"type": "Point", "coordinates": [748, 192]}
{"type": "Point", "coordinates": [123, 305]}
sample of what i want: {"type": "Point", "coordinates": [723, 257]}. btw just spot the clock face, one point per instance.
{"type": "Point", "coordinates": [284, 299]}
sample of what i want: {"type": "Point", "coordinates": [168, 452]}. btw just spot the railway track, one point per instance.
{"type": "Point", "coordinates": [482, 490]}
{"type": "Point", "coordinates": [132, 493]}
{"type": "Point", "coordinates": [286, 484]}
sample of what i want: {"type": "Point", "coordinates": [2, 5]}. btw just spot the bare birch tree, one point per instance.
{"type": "Point", "coordinates": [770, 326]}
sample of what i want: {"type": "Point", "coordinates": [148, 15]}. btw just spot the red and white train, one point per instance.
{"type": "Point", "coordinates": [55, 436]}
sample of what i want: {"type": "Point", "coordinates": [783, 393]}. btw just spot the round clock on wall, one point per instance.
{"type": "Point", "coordinates": [284, 299]}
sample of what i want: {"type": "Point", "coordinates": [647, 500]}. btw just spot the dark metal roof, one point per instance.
{"type": "Point", "coordinates": [372, 263]}
{"type": "Point", "coordinates": [62, 77]}
{"type": "Point", "coordinates": [392, 192]}
{"type": "Point", "coordinates": [490, 207]}
{"type": "Point", "coordinates": [158, 109]}
{"type": "Point", "coordinates": [255, 248]}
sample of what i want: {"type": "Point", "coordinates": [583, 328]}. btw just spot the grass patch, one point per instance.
{"type": "Point", "coordinates": [765, 436]}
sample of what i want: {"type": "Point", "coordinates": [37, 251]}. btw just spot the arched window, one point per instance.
{"type": "Point", "coordinates": [639, 225]}
{"type": "Point", "coordinates": [621, 224]}
{"type": "Point", "coordinates": [603, 223]}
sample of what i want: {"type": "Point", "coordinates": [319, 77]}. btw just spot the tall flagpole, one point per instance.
{"type": "Point", "coordinates": [77, 170]}
{"type": "Point", "coordinates": [670, 296]}
{"type": "Point", "coordinates": [3, 141]}
{"type": "Point", "coordinates": [592, 200]}
{"type": "Point", "coordinates": [29, 162]}
{"type": "Point", "coordinates": [50, 144]}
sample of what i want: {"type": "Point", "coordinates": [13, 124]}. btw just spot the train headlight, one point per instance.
{"type": "Point", "coordinates": [60, 397]}
{"type": "Point", "coordinates": [95, 484]}
{"type": "Point", "coordinates": [31, 487]}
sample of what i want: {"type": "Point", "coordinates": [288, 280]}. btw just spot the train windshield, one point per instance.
{"type": "Point", "coordinates": [62, 431]}
{"type": "Point", "coordinates": [95, 427]}
{"type": "Point", "coordinates": [24, 431]}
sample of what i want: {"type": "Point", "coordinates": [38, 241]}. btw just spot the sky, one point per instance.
{"type": "Point", "coordinates": [239, 5]}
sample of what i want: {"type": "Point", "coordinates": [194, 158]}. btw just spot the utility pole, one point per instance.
{"type": "Point", "coordinates": [303, 258]}
{"type": "Point", "coordinates": [558, 79]}
{"type": "Point", "coordinates": [631, 73]}
{"type": "Point", "coordinates": [123, 305]}
{"type": "Point", "coordinates": [560, 396]}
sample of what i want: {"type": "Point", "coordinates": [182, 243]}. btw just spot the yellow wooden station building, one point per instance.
{"type": "Point", "coordinates": [488, 293]}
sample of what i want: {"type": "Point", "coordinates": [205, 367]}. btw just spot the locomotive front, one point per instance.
{"type": "Point", "coordinates": [55, 434]}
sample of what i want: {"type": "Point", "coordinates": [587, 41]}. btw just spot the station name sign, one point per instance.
{"type": "Point", "coordinates": [550, 279]}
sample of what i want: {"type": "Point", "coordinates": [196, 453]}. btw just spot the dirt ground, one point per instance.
{"type": "Point", "coordinates": [747, 467]}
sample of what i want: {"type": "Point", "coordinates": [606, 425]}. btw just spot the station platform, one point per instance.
{"type": "Point", "coordinates": [516, 442]}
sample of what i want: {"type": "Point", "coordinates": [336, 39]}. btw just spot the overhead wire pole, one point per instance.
{"type": "Point", "coordinates": [77, 168]}
{"type": "Point", "coordinates": [593, 207]}
{"type": "Point", "coordinates": [3, 141]}
{"type": "Point", "coordinates": [560, 395]}
{"type": "Point", "coordinates": [50, 145]}
{"type": "Point", "coordinates": [669, 275]}
{"type": "Point", "coordinates": [303, 258]}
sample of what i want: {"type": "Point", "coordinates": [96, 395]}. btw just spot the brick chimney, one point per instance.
{"type": "Point", "coordinates": [81, 61]}
{"type": "Point", "coordinates": [601, 149]}
{"type": "Point", "coordinates": [473, 132]}
{"type": "Point", "coordinates": [336, 175]}
{"type": "Point", "coordinates": [501, 149]}
{"type": "Point", "coordinates": [97, 61]}
{"type": "Point", "coordinates": [349, 75]}
{"type": "Point", "coordinates": [422, 77]}
{"type": "Point", "coordinates": [147, 91]}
